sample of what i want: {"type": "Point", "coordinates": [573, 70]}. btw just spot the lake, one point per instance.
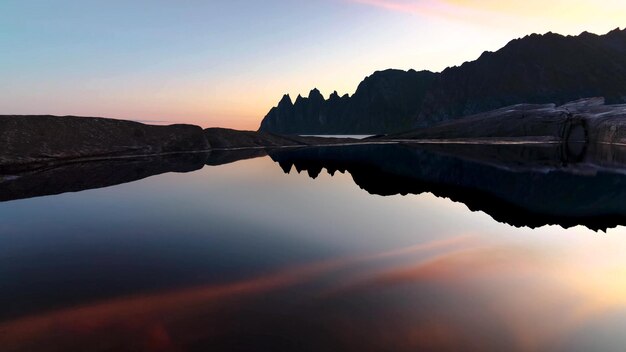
{"type": "Point", "coordinates": [366, 247]}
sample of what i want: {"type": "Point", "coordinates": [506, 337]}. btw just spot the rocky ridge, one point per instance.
{"type": "Point", "coordinates": [536, 69]}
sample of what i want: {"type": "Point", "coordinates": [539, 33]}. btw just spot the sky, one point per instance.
{"type": "Point", "coordinates": [226, 63]}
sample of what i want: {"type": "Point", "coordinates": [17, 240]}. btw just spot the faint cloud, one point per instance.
{"type": "Point", "coordinates": [579, 12]}
{"type": "Point", "coordinates": [423, 7]}
{"type": "Point", "coordinates": [402, 6]}
{"type": "Point", "coordinates": [446, 9]}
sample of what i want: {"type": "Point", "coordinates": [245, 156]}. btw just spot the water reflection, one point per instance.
{"type": "Point", "coordinates": [520, 185]}
{"type": "Point", "coordinates": [466, 296]}
{"type": "Point", "coordinates": [243, 257]}
{"type": "Point", "coordinates": [84, 175]}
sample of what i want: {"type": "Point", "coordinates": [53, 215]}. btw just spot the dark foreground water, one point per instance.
{"type": "Point", "coordinates": [242, 256]}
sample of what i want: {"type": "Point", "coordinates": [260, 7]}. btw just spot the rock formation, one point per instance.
{"type": "Point", "coordinates": [43, 139]}
{"type": "Point", "coordinates": [536, 69]}
{"type": "Point", "coordinates": [586, 121]}
{"type": "Point", "coordinates": [385, 101]}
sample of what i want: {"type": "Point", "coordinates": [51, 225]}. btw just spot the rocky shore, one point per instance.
{"type": "Point", "coordinates": [30, 142]}
{"type": "Point", "coordinates": [585, 121]}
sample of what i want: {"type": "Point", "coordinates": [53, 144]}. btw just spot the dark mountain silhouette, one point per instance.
{"type": "Point", "coordinates": [538, 69]}
{"type": "Point", "coordinates": [381, 102]}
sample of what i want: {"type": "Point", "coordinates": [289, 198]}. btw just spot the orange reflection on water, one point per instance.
{"type": "Point", "coordinates": [144, 318]}
{"type": "Point", "coordinates": [465, 294]}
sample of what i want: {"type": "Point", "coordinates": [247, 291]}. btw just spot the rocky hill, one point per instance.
{"type": "Point", "coordinates": [41, 139]}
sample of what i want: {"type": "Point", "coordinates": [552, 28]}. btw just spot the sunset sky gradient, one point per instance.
{"type": "Point", "coordinates": [227, 63]}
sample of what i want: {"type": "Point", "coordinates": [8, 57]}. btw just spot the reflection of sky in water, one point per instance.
{"type": "Point", "coordinates": [243, 254]}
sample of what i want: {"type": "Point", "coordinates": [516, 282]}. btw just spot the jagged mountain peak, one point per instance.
{"type": "Point", "coordinates": [315, 94]}
{"type": "Point", "coordinates": [285, 101]}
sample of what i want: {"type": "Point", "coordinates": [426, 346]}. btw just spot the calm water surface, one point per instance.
{"type": "Point", "coordinates": [244, 257]}
{"type": "Point", "coordinates": [352, 136]}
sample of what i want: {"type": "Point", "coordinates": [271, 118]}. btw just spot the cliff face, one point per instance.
{"type": "Point", "coordinates": [537, 69]}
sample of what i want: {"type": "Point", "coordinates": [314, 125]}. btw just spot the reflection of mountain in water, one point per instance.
{"type": "Point", "coordinates": [523, 185]}
{"type": "Point", "coordinates": [519, 185]}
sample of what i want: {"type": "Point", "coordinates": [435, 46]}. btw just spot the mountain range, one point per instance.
{"type": "Point", "coordinates": [549, 68]}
